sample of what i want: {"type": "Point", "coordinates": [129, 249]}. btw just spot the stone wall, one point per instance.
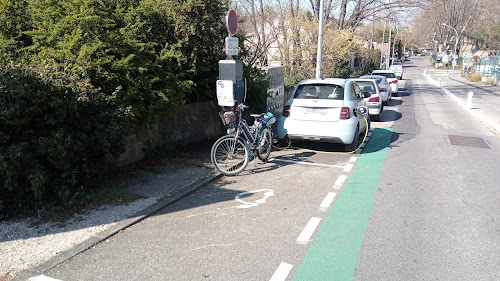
{"type": "Point", "coordinates": [189, 124]}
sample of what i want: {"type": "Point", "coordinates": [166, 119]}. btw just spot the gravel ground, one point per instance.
{"type": "Point", "coordinates": [23, 246]}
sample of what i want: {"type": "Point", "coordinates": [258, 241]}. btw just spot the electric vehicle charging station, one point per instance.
{"type": "Point", "coordinates": [231, 86]}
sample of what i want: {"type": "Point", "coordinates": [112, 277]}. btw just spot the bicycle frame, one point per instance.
{"type": "Point", "coordinates": [244, 133]}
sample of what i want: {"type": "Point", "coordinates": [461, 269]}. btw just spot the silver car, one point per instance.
{"type": "Point", "coordinates": [374, 100]}
{"type": "Point", "coordinates": [325, 110]}
{"type": "Point", "coordinates": [384, 87]}
{"type": "Point", "coordinates": [391, 79]}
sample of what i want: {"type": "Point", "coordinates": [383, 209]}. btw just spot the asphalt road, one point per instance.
{"type": "Point", "coordinates": [417, 204]}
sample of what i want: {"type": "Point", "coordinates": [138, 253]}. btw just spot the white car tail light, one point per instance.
{"type": "Point", "coordinates": [286, 111]}
{"type": "Point", "coordinates": [345, 113]}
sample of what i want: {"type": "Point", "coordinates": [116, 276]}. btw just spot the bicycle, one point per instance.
{"type": "Point", "coordinates": [231, 153]}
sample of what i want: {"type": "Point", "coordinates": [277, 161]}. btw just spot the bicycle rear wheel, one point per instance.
{"type": "Point", "coordinates": [266, 141]}
{"type": "Point", "coordinates": [230, 155]}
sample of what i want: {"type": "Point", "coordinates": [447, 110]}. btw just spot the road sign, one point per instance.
{"type": "Point", "coordinates": [231, 22]}
{"type": "Point", "coordinates": [231, 46]}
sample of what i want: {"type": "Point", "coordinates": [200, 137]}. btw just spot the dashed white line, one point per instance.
{"type": "Point", "coordinates": [348, 167]}
{"type": "Point", "coordinates": [353, 159]}
{"type": "Point", "coordinates": [308, 231]}
{"type": "Point", "coordinates": [327, 201]}
{"type": "Point", "coordinates": [338, 183]}
{"type": "Point", "coordinates": [306, 163]}
{"type": "Point", "coordinates": [282, 272]}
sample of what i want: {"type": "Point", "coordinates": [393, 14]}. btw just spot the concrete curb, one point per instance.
{"type": "Point", "coordinates": [120, 225]}
{"type": "Point", "coordinates": [478, 86]}
{"type": "Point", "coordinates": [481, 117]}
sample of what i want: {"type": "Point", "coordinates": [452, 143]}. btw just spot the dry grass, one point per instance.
{"type": "Point", "coordinates": [474, 77]}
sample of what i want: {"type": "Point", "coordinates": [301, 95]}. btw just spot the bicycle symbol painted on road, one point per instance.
{"type": "Point", "coordinates": [267, 193]}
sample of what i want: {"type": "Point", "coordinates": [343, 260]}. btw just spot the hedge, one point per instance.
{"type": "Point", "coordinates": [53, 140]}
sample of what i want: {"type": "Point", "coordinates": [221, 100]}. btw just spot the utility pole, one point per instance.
{"type": "Point", "coordinates": [382, 49]}
{"type": "Point", "coordinates": [389, 46]}
{"type": "Point", "coordinates": [320, 39]}
{"type": "Point", "coordinates": [373, 26]}
{"type": "Point", "coordinates": [394, 41]}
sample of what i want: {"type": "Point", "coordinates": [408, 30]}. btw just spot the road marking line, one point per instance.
{"type": "Point", "coordinates": [268, 193]}
{"type": "Point", "coordinates": [308, 231]}
{"type": "Point", "coordinates": [306, 163]}
{"type": "Point", "coordinates": [42, 278]}
{"type": "Point", "coordinates": [327, 201]}
{"type": "Point", "coordinates": [353, 159]}
{"type": "Point", "coordinates": [369, 134]}
{"type": "Point", "coordinates": [338, 183]}
{"type": "Point", "coordinates": [348, 167]}
{"type": "Point", "coordinates": [282, 272]}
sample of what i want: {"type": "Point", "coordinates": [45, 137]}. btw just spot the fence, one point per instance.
{"type": "Point", "coordinates": [489, 67]}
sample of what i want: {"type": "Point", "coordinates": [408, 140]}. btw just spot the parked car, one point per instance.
{"type": "Point", "coordinates": [325, 110]}
{"type": "Point", "coordinates": [391, 79]}
{"type": "Point", "coordinates": [398, 70]}
{"type": "Point", "coordinates": [374, 101]}
{"type": "Point", "coordinates": [384, 87]}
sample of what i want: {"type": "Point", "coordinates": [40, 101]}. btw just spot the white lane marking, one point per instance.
{"type": "Point", "coordinates": [353, 159]}
{"type": "Point", "coordinates": [306, 163]}
{"type": "Point", "coordinates": [327, 201]}
{"type": "Point", "coordinates": [369, 134]}
{"type": "Point", "coordinates": [363, 145]}
{"type": "Point", "coordinates": [359, 151]}
{"type": "Point", "coordinates": [338, 183]}
{"type": "Point", "coordinates": [308, 231]}
{"type": "Point", "coordinates": [348, 167]}
{"type": "Point", "coordinates": [282, 272]}
{"type": "Point", "coordinates": [42, 278]}
{"type": "Point", "coordinates": [268, 193]}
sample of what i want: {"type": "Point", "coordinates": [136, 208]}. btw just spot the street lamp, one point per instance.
{"type": "Point", "coordinates": [456, 38]}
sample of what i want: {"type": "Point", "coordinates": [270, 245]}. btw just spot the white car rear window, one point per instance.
{"type": "Point", "coordinates": [319, 91]}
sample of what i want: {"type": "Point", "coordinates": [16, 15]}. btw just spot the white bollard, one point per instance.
{"type": "Point", "coordinates": [469, 100]}
{"type": "Point", "coordinates": [439, 82]}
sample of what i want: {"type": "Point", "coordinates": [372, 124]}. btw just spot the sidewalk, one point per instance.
{"type": "Point", "coordinates": [485, 101]}
{"type": "Point", "coordinates": [28, 251]}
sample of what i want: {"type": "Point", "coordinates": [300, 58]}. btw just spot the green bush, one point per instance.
{"type": "Point", "coordinates": [152, 55]}
{"type": "Point", "coordinates": [54, 140]}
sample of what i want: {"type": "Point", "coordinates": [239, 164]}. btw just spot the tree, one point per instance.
{"type": "Point", "coordinates": [457, 15]}
{"type": "Point", "coordinates": [152, 56]}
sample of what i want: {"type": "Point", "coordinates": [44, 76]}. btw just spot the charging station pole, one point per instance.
{"type": "Point", "coordinates": [231, 81]}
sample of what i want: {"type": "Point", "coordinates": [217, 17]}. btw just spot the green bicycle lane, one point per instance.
{"type": "Point", "coordinates": [334, 253]}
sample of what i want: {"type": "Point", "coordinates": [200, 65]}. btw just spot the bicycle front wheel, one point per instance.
{"type": "Point", "coordinates": [230, 155]}
{"type": "Point", "coordinates": [265, 142]}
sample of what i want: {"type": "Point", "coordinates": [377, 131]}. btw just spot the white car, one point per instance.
{"type": "Point", "coordinates": [374, 101]}
{"type": "Point", "coordinates": [398, 70]}
{"type": "Point", "coordinates": [391, 78]}
{"type": "Point", "coordinates": [326, 110]}
{"type": "Point", "coordinates": [384, 87]}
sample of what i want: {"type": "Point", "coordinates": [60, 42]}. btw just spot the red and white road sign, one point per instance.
{"type": "Point", "coordinates": [231, 22]}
